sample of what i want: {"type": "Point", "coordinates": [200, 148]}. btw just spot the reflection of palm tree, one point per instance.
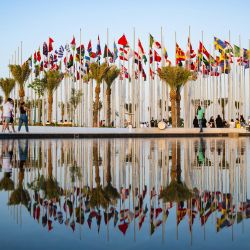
{"type": "Point", "coordinates": [109, 190]}
{"type": "Point", "coordinates": [6, 183]}
{"type": "Point", "coordinates": [97, 195]}
{"type": "Point", "coordinates": [177, 190]}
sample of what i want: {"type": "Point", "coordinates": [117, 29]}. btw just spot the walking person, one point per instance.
{"type": "Point", "coordinates": [23, 117]}
{"type": "Point", "coordinates": [7, 113]}
{"type": "Point", "coordinates": [200, 114]}
{"type": "Point", "coordinates": [12, 117]}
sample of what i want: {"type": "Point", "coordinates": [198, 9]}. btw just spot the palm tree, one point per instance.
{"type": "Point", "coordinates": [98, 197]}
{"type": "Point", "coordinates": [21, 74]}
{"type": "Point", "coordinates": [97, 72]}
{"type": "Point", "coordinates": [74, 100]}
{"type": "Point", "coordinates": [177, 190]}
{"type": "Point", "coordinates": [109, 190]}
{"type": "Point", "coordinates": [109, 78]}
{"type": "Point", "coordinates": [7, 85]}
{"type": "Point", "coordinates": [175, 77]}
{"type": "Point", "coordinates": [51, 81]}
{"type": "Point", "coordinates": [6, 183]}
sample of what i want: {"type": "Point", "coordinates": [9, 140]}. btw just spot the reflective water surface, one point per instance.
{"type": "Point", "coordinates": [125, 193]}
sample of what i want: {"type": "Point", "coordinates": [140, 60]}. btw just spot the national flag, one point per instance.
{"type": "Point", "coordinates": [203, 50]}
{"type": "Point", "coordinates": [67, 47]}
{"type": "Point", "coordinates": [107, 52]}
{"type": "Point", "coordinates": [123, 41]}
{"type": "Point", "coordinates": [45, 49]}
{"type": "Point", "coordinates": [181, 212]}
{"type": "Point", "coordinates": [219, 44]}
{"type": "Point", "coordinates": [98, 47]}
{"type": "Point", "coordinates": [165, 53]}
{"type": "Point", "coordinates": [34, 58]}
{"type": "Point", "coordinates": [123, 227]}
{"type": "Point", "coordinates": [190, 52]}
{"type": "Point", "coordinates": [70, 61]}
{"type": "Point", "coordinates": [153, 43]}
{"type": "Point", "coordinates": [38, 55]}
{"type": "Point", "coordinates": [80, 50]}
{"type": "Point", "coordinates": [115, 52]}
{"type": "Point", "coordinates": [50, 44]}
{"type": "Point", "coordinates": [73, 43]}
{"type": "Point", "coordinates": [153, 225]}
{"type": "Point", "coordinates": [179, 54]}
{"type": "Point", "coordinates": [236, 51]}
{"type": "Point", "coordinates": [157, 58]}
{"type": "Point", "coordinates": [151, 56]}
{"type": "Point", "coordinates": [60, 52]}
{"type": "Point", "coordinates": [141, 51]}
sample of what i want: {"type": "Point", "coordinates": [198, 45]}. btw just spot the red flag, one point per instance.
{"type": "Point", "coordinates": [123, 41]}
{"type": "Point", "coordinates": [157, 58]}
{"type": "Point", "coordinates": [123, 228]}
{"type": "Point", "coordinates": [73, 43]}
{"type": "Point", "coordinates": [38, 56]}
{"type": "Point", "coordinates": [50, 44]}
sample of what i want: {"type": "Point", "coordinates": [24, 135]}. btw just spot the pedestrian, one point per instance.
{"type": "Point", "coordinates": [211, 122]}
{"type": "Point", "coordinates": [204, 121]}
{"type": "Point", "coordinates": [23, 117]}
{"type": "Point", "coordinates": [219, 122]}
{"type": "Point", "coordinates": [196, 122]}
{"type": "Point", "coordinates": [12, 123]}
{"type": "Point", "coordinates": [7, 113]}
{"type": "Point", "coordinates": [200, 114]}
{"type": "Point", "coordinates": [232, 123]}
{"type": "Point", "coordinates": [242, 121]}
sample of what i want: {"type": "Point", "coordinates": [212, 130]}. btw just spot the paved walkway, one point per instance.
{"type": "Point", "coordinates": [75, 132]}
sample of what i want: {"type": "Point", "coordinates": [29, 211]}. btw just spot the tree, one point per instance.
{"type": "Point", "coordinates": [7, 85]}
{"type": "Point", "coordinates": [21, 74]}
{"type": "Point", "coordinates": [39, 87]}
{"type": "Point", "coordinates": [109, 78]}
{"type": "Point", "coordinates": [97, 72]}
{"type": "Point", "coordinates": [175, 77]}
{"type": "Point", "coordinates": [74, 100]}
{"type": "Point", "coordinates": [51, 81]}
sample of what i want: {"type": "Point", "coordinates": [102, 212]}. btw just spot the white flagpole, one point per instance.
{"type": "Point", "coordinates": [163, 84]}
{"type": "Point", "coordinates": [149, 83]}
{"type": "Point", "coordinates": [134, 111]}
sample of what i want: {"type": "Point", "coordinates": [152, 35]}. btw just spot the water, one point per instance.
{"type": "Point", "coordinates": [109, 194]}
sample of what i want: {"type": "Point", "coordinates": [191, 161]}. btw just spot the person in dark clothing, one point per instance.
{"type": "Point", "coordinates": [211, 122]}
{"type": "Point", "coordinates": [196, 122]}
{"type": "Point", "coordinates": [23, 117]}
{"type": "Point", "coordinates": [219, 122]}
{"type": "Point", "coordinates": [242, 120]}
{"type": "Point", "coordinates": [204, 121]}
{"type": "Point", "coordinates": [152, 122]}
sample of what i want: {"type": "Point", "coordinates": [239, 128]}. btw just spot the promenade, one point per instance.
{"type": "Point", "coordinates": [37, 132]}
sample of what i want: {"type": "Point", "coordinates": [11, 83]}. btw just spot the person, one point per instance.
{"type": "Point", "coordinates": [211, 122]}
{"type": "Point", "coordinates": [232, 124]}
{"type": "Point", "coordinates": [7, 111]}
{"type": "Point", "coordinates": [204, 121]}
{"type": "Point", "coordinates": [12, 118]}
{"type": "Point", "coordinates": [242, 120]}
{"type": "Point", "coordinates": [218, 121]}
{"type": "Point", "coordinates": [225, 124]}
{"type": "Point", "coordinates": [23, 117]}
{"type": "Point", "coordinates": [237, 123]}
{"type": "Point", "coordinates": [200, 114]}
{"type": "Point", "coordinates": [152, 122]}
{"type": "Point", "coordinates": [195, 122]}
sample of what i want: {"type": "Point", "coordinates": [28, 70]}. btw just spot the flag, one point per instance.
{"type": "Point", "coordinates": [45, 49]}
{"type": "Point", "coordinates": [38, 55]}
{"type": "Point", "coordinates": [60, 52]}
{"type": "Point", "coordinates": [107, 52]}
{"type": "Point", "coordinates": [203, 50]}
{"type": "Point", "coordinates": [165, 53]}
{"type": "Point", "coordinates": [98, 47]}
{"type": "Point", "coordinates": [179, 54]}
{"type": "Point", "coordinates": [115, 52]}
{"type": "Point", "coordinates": [70, 61]}
{"type": "Point", "coordinates": [157, 58]}
{"type": "Point", "coordinates": [50, 44]}
{"type": "Point", "coordinates": [73, 43]}
{"type": "Point", "coordinates": [219, 44]}
{"type": "Point", "coordinates": [123, 41]}
{"type": "Point", "coordinates": [141, 51]}
{"type": "Point", "coordinates": [80, 50]}
{"type": "Point", "coordinates": [34, 58]}
{"type": "Point", "coordinates": [67, 47]}
{"type": "Point", "coordinates": [190, 52]}
{"type": "Point", "coordinates": [123, 227]}
{"type": "Point", "coordinates": [153, 43]}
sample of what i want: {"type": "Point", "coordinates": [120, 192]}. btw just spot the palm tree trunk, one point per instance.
{"type": "Point", "coordinates": [173, 106]}
{"type": "Point", "coordinates": [96, 104]}
{"type": "Point", "coordinates": [178, 108]}
{"type": "Point", "coordinates": [108, 93]}
{"type": "Point", "coordinates": [39, 109]}
{"type": "Point", "coordinates": [50, 104]}
{"type": "Point", "coordinates": [178, 161]}
{"type": "Point", "coordinates": [21, 93]}
{"type": "Point", "coordinates": [174, 169]}
{"type": "Point", "coordinates": [50, 167]}
{"type": "Point", "coordinates": [108, 175]}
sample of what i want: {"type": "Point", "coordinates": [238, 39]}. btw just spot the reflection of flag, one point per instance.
{"type": "Point", "coordinates": [115, 218]}
{"type": "Point", "coordinates": [154, 225]}
{"type": "Point", "coordinates": [123, 227]}
{"type": "Point", "coordinates": [50, 225]}
{"type": "Point", "coordinates": [181, 212]}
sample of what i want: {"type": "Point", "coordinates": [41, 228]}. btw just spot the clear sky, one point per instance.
{"type": "Point", "coordinates": [34, 21]}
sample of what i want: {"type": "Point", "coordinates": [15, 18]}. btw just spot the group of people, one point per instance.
{"type": "Point", "coordinates": [200, 121]}
{"type": "Point", "coordinates": [8, 116]}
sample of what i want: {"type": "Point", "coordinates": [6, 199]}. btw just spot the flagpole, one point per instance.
{"type": "Point", "coordinates": [133, 116]}
{"type": "Point", "coordinates": [149, 84]}
{"type": "Point", "coordinates": [80, 83]}
{"type": "Point", "coordinates": [163, 84]}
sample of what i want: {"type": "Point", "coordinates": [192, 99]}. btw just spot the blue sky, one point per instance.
{"type": "Point", "coordinates": [34, 21]}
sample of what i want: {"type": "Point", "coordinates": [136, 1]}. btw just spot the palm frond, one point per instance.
{"type": "Point", "coordinates": [20, 72]}
{"type": "Point", "coordinates": [111, 75]}
{"type": "Point", "coordinates": [7, 85]}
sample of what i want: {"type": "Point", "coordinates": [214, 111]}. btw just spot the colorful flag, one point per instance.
{"type": "Point", "coordinates": [98, 48]}
{"type": "Point", "coordinates": [153, 43]}
{"type": "Point", "coordinates": [157, 58]}
{"type": "Point", "coordinates": [141, 51]}
{"type": "Point", "coordinates": [50, 44]}
{"type": "Point", "coordinates": [179, 54]}
{"type": "Point", "coordinates": [123, 41]}
{"type": "Point", "coordinates": [115, 52]}
{"type": "Point", "coordinates": [38, 55]}
{"type": "Point", "coordinates": [60, 52]}
{"type": "Point", "coordinates": [45, 49]}
{"type": "Point", "coordinates": [107, 52]}
{"type": "Point", "coordinates": [73, 43]}
{"type": "Point", "coordinates": [219, 44]}
{"type": "Point", "coordinates": [190, 52]}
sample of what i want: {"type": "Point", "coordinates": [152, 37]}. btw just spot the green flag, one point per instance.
{"type": "Point", "coordinates": [236, 51]}
{"type": "Point", "coordinates": [151, 40]}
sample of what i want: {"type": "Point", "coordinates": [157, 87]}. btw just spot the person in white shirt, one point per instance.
{"type": "Point", "coordinates": [232, 123]}
{"type": "Point", "coordinates": [7, 113]}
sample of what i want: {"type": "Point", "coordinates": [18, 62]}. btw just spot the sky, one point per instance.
{"type": "Point", "coordinates": [32, 22]}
